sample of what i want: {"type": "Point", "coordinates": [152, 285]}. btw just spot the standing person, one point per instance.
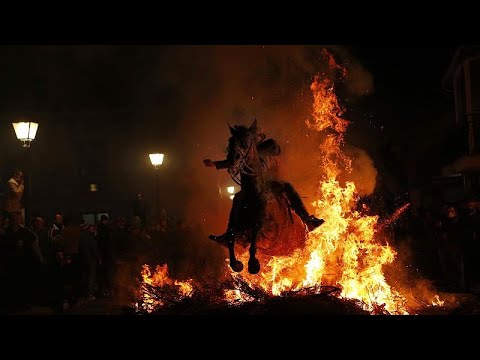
{"type": "Point", "coordinates": [41, 233]}
{"type": "Point", "coordinates": [89, 258]}
{"type": "Point", "coordinates": [55, 231]}
{"type": "Point", "coordinates": [120, 237]}
{"type": "Point", "coordinates": [70, 241]}
{"type": "Point", "coordinates": [22, 261]}
{"type": "Point", "coordinates": [470, 236]}
{"type": "Point", "coordinates": [14, 194]}
{"type": "Point", "coordinates": [450, 249]}
{"type": "Point", "coordinates": [108, 253]}
{"type": "Point", "coordinates": [47, 252]}
{"type": "Point", "coordinates": [140, 209]}
{"type": "Point", "coordinates": [58, 273]}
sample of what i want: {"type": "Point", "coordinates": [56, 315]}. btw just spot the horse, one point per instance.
{"type": "Point", "coordinates": [261, 214]}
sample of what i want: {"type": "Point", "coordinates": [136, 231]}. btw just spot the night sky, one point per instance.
{"type": "Point", "coordinates": [410, 110]}
{"type": "Point", "coordinates": [102, 109]}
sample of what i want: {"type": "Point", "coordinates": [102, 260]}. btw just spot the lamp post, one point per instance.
{"type": "Point", "coordinates": [156, 160]}
{"type": "Point", "coordinates": [26, 132]}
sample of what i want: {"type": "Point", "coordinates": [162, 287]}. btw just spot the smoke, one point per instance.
{"type": "Point", "coordinates": [360, 80]}
{"type": "Point", "coordinates": [216, 85]}
{"type": "Point", "coordinates": [364, 173]}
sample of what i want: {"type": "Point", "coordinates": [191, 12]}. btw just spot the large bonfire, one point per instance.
{"type": "Point", "coordinates": [349, 251]}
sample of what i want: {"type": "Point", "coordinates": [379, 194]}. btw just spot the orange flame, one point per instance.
{"type": "Point", "coordinates": [236, 297]}
{"type": "Point", "coordinates": [345, 251]}
{"type": "Point", "coordinates": [160, 278]}
{"type": "Point", "coordinates": [437, 302]}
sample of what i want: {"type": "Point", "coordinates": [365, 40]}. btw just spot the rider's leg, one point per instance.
{"type": "Point", "coordinates": [297, 205]}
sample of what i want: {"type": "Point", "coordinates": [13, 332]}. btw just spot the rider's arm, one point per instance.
{"type": "Point", "coordinates": [221, 164]}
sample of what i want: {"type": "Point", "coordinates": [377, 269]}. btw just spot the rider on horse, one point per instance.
{"type": "Point", "coordinates": [248, 204]}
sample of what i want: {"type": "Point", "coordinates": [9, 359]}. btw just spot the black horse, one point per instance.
{"type": "Point", "coordinates": [261, 213]}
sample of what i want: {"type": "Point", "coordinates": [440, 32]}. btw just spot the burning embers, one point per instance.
{"type": "Point", "coordinates": [347, 253]}
{"type": "Point", "coordinates": [158, 289]}
{"type": "Point", "coordinates": [239, 296]}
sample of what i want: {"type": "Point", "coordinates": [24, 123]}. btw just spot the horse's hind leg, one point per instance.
{"type": "Point", "coordinates": [236, 265]}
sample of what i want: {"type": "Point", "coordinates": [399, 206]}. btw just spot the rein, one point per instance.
{"type": "Point", "coordinates": [242, 167]}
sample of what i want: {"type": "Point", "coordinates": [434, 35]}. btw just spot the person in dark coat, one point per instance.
{"type": "Point", "coordinates": [89, 258]}
{"type": "Point", "coordinates": [450, 249]}
{"type": "Point", "coordinates": [470, 247]}
{"type": "Point", "coordinates": [22, 261]}
{"type": "Point", "coordinates": [140, 209]}
{"type": "Point", "coordinates": [120, 237]}
{"type": "Point", "coordinates": [108, 254]}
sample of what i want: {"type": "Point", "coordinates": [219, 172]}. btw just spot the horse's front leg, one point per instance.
{"type": "Point", "coordinates": [235, 264]}
{"type": "Point", "coordinates": [253, 263]}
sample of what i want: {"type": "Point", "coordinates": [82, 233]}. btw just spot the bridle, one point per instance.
{"type": "Point", "coordinates": [242, 166]}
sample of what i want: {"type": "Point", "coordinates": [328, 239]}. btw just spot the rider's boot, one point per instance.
{"type": "Point", "coordinates": [313, 222]}
{"type": "Point", "coordinates": [221, 239]}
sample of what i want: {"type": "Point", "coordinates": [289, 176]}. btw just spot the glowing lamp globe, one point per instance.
{"type": "Point", "coordinates": [25, 132]}
{"type": "Point", "coordinates": [156, 159]}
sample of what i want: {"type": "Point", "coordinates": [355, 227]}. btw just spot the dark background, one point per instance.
{"type": "Point", "coordinates": [102, 109]}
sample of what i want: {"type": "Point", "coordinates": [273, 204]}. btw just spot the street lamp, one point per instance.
{"type": "Point", "coordinates": [25, 132]}
{"type": "Point", "coordinates": [156, 160]}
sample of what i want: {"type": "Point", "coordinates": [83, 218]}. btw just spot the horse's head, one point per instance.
{"type": "Point", "coordinates": [242, 152]}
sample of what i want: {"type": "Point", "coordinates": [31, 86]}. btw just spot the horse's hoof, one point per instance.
{"type": "Point", "coordinates": [236, 265]}
{"type": "Point", "coordinates": [253, 266]}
